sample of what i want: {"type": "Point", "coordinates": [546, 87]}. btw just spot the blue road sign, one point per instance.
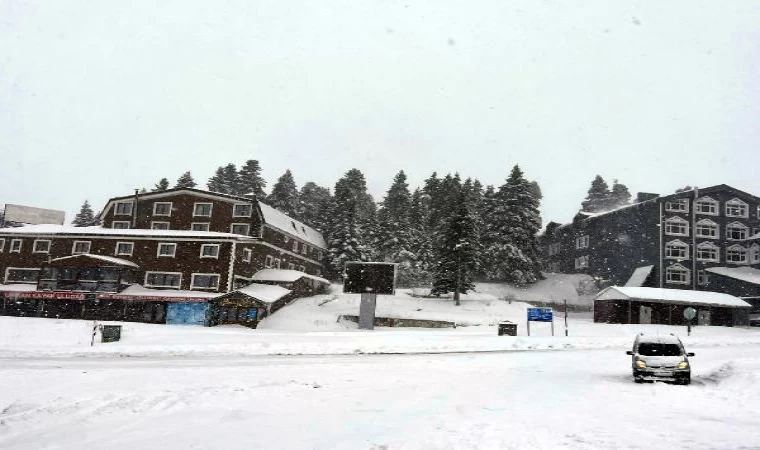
{"type": "Point", "coordinates": [540, 314]}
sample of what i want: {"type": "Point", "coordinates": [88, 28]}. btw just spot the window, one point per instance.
{"type": "Point", "coordinates": [295, 246]}
{"type": "Point", "coordinates": [269, 262]}
{"type": "Point", "coordinates": [581, 242]}
{"type": "Point", "coordinates": [736, 208]}
{"type": "Point", "coordinates": [707, 251]}
{"type": "Point", "coordinates": [120, 225]}
{"type": "Point", "coordinates": [123, 209]}
{"type": "Point", "coordinates": [124, 248]}
{"type": "Point", "coordinates": [16, 245]}
{"type": "Point", "coordinates": [302, 268]}
{"type": "Point", "coordinates": [754, 254]}
{"type": "Point", "coordinates": [277, 263]}
{"type": "Point", "coordinates": [41, 246]}
{"type": "Point", "coordinates": [291, 266]}
{"type": "Point", "coordinates": [199, 226]}
{"type": "Point", "coordinates": [735, 231]}
{"type": "Point", "coordinates": [167, 249]}
{"type": "Point", "coordinates": [247, 252]}
{"type": "Point", "coordinates": [210, 251]}
{"type": "Point", "coordinates": [736, 254]}
{"type": "Point", "coordinates": [677, 226]}
{"type": "Point", "coordinates": [755, 232]}
{"type": "Point", "coordinates": [21, 275]}
{"type": "Point", "coordinates": [80, 247]}
{"type": "Point", "coordinates": [319, 255]}
{"type": "Point", "coordinates": [240, 228]}
{"type": "Point", "coordinates": [159, 225]}
{"type": "Point", "coordinates": [202, 209]}
{"type": "Point", "coordinates": [581, 262]}
{"type": "Point", "coordinates": [242, 210]}
{"type": "Point", "coordinates": [677, 274]}
{"type": "Point", "coordinates": [677, 205]}
{"type": "Point", "coordinates": [706, 228]}
{"type": "Point", "coordinates": [163, 279]}
{"type": "Point", "coordinates": [706, 205]}
{"type": "Point", "coordinates": [162, 209]}
{"type": "Point", "coordinates": [702, 278]}
{"type": "Point", "coordinates": [204, 281]}
{"type": "Point", "coordinates": [305, 249]}
{"type": "Point", "coordinates": [677, 250]}
{"type": "Point", "coordinates": [554, 249]}
{"type": "Point", "coordinates": [2, 244]}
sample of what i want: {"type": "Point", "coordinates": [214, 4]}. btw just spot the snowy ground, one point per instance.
{"type": "Point", "coordinates": [303, 380]}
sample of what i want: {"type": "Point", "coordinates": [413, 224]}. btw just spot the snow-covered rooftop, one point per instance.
{"type": "Point", "coordinates": [137, 289]}
{"type": "Point", "coordinates": [18, 287]}
{"type": "Point", "coordinates": [282, 221]}
{"type": "Point", "coordinates": [639, 276]}
{"type": "Point", "coordinates": [747, 274]}
{"type": "Point", "coordinates": [675, 296]}
{"type": "Point", "coordinates": [97, 230]}
{"type": "Point", "coordinates": [265, 292]}
{"type": "Point", "coordinates": [284, 275]}
{"type": "Point", "coordinates": [109, 259]}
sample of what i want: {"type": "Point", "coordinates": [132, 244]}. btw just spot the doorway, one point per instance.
{"type": "Point", "coordinates": [645, 314]}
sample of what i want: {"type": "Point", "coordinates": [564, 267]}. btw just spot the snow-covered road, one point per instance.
{"type": "Point", "coordinates": [536, 399]}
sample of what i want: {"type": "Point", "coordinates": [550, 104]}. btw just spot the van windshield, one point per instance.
{"type": "Point", "coordinates": [656, 349]}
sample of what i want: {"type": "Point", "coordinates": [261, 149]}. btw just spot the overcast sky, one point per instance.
{"type": "Point", "coordinates": [98, 98]}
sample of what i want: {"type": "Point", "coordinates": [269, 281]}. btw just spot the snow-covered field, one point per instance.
{"type": "Point", "coordinates": [303, 380]}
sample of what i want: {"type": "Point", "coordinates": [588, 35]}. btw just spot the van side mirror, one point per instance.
{"type": "Point", "coordinates": [629, 352]}
{"type": "Point", "coordinates": [690, 354]}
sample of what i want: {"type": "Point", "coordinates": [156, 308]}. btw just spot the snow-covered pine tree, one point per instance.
{"type": "Point", "coordinates": [216, 183]}
{"type": "Point", "coordinates": [162, 185]}
{"type": "Point", "coordinates": [393, 238]}
{"type": "Point", "coordinates": [620, 195]}
{"type": "Point", "coordinates": [420, 241]}
{"type": "Point", "coordinates": [599, 197]}
{"type": "Point", "coordinates": [284, 195]}
{"type": "Point", "coordinates": [85, 217]}
{"type": "Point", "coordinates": [489, 235]}
{"type": "Point", "coordinates": [231, 180]}
{"type": "Point", "coordinates": [251, 181]}
{"type": "Point", "coordinates": [457, 260]}
{"type": "Point", "coordinates": [185, 181]}
{"type": "Point", "coordinates": [514, 251]}
{"type": "Point", "coordinates": [346, 242]}
{"type": "Point", "coordinates": [315, 206]}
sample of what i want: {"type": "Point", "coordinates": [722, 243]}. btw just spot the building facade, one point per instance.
{"type": "Point", "coordinates": [670, 241]}
{"type": "Point", "coordinates": [182, 239]}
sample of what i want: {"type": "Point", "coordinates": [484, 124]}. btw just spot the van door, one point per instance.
{"type": "Point", "coordinates": [703, 317]}
{"type": "Point", "coordinates": [645, 314]}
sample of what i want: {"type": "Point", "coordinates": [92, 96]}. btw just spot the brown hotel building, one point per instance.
{"type": "Point", "coordinates": [179, 239]}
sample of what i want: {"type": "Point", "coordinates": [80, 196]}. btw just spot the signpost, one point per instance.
{"type": "Point", "coordinates": [540, 315]}
{"type": "Point", "coordinates": [689, 314]}
{"type": "Point", "coordinates": [369, 279]}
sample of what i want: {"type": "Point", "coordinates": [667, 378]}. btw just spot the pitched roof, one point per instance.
{"type": "Point", "coordinates": [284, 276]}
{"type": "Point", "coordinates": [746, 274]}
{"type": "Point", "coordinates": [278, 219]}
{"type": "Point", "coordinates": [267, 293]}
{"type": "Point", "coordinates": [639, 276]}
{"type": "Point", "coordinates": [108, 259]}
{"type": "Point", "coordinates": [673, 296]}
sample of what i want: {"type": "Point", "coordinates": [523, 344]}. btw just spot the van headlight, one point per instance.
{"type": "Point", "coordinates": [641, 364]}
{"type": "Point", "coordinates": [683, 365]}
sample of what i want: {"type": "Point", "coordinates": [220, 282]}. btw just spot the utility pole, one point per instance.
{"type": "Point", "coordinates": [459, 281]}
{"type": "Point", "coordinates": [566, 318]}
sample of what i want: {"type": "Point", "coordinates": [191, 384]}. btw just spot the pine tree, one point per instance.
{"type": "Point", "coordinates": [85, 217]}
{"type": "Point", "coordinates": [284, 195]}
{"type": "Point", "coordinates": [216, 183]}
{"type": "Point", "coordinates": [458, 252]}
{"type": "Point", "coordinates": [512, 247]}
{"type": "Point", "coordinates": [161, 185]}
{"type": "Point", "coordinates": [346, 241]}
{"type": "Point", "coordinates": [185, 181]}
{"type": "Point", "coordinates": [315, 206]}
{"type": "Point", "coordinates": [420, 241]}
{"type": "Point", "coordinates": [231, 180]}
{"type": "Point", "coordinates": [620, 195]}
{"type": "Point", "coordinates": [599, 196]}
{"type": "Point", "coordinates": [394, 235]}
{"type": "Point", "coordinates": [251, 181]}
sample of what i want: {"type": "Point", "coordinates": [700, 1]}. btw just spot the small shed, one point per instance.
{"type": "Point", "coordinates": [621, 304]}
{"type": "Point", "coordinates": [249, 304]}
{"type": "Point", "coordinates": [302, 284]}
